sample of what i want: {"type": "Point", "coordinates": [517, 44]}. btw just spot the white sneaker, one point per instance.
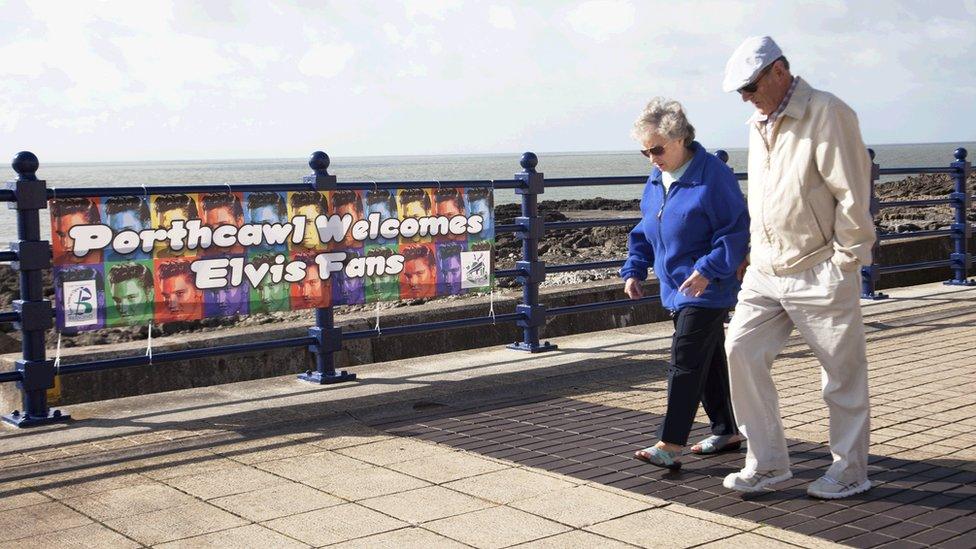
{"type": "Point", "coordinates": [827, 488]}
{"type": "Point", "coordinates": [755, 481]}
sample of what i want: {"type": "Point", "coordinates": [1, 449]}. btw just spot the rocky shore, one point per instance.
{"type": "Point", "coordinates": [558, 247]}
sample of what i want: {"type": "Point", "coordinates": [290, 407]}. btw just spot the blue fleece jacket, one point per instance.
{"type": "Point", "coordinates": [700, 224]}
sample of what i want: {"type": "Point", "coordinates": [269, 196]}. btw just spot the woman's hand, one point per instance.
{"type": "Point", "coordinates": [740, 273]}
{"type": "Point", "coordinates": [695, 285]}
{"type": "Point", "coordinates": [632, 287]}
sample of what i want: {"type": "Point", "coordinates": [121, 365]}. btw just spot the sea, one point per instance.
{"type": "Point", "coordinates": [441, 168]}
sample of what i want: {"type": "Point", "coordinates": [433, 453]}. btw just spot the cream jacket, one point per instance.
{"type": "Point", "coordinates": [809, 187]}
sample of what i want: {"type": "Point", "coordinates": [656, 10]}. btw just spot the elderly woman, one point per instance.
{"type": "Point", "coordinates": [694, 232]}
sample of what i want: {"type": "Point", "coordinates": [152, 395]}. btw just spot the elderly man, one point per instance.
{"type": "Point", "coordinates": [809, 189]}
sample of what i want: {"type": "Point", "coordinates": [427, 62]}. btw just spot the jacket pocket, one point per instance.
{"type": "Point", "coordinates": [819, 224]}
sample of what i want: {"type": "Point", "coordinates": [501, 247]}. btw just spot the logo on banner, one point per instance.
{"type": "Point", "coordinates": [474, 265]}
{"type": "Point", "coordinates": [80, 305]}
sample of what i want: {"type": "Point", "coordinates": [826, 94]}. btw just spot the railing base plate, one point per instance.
{"type": "Point", "coordinates": [318, 378]}
{"type": "Point", "coordinates": [23, 420]}
{"type": "Point", "coordinates": [874, 296]}
{"type": "Point", "coordinates": [525, 347]}
{"type": "Point", "coordinates": [967, 282]}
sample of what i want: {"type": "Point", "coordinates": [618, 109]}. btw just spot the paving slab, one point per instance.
{"type": "Point", "coordinates": [37, 520]}
{"type": "Point", "coordinates": [444, 467]}
{"type": "Point", "coordinates": [14, 495]}
{"type": "Point", "coordinates": [225, 482]}
{"type": "Point", "coordinates": [748, 539]}
{"type": "Point", "coordinates": [496, 527]}
{"type": "Point", "coordinates": [82, 537]}
{"type": "Point", "coordinates": [394, 450]}
{"type": "Point", "coordinates": [404, 538]}
{"type": "Point", "coordinates": [576, 538]}
{"type": "Point", "coordinates": [509, 485]}
{"type": "Point", "coordinates": [334, 524]}
{"type": "Point", "coordinates": [252, 535]}
{"type": "Point", "coordinates": [131, 500]}
{"type": "Point", "coordinates": [425, 504]}
{"type": "Point", "coordinates": [662, 528]}
{"type": "Point", "coordinates": [174, 523]}
{"type": "Point", "coordinates": [580, 506]}
{"type": "Point", "coordinates": [281, 500]}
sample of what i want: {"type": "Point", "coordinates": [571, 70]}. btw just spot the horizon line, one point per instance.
{"type": "Point", "coordinates": [455, 154]}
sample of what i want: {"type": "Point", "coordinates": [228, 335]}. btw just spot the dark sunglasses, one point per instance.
{"type": "Point", "coordinates": [751, 87]}
{"type": "Point", "coordinates": [656, 151]}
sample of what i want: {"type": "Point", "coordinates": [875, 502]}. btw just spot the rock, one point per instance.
{"type": "Point", "coordinates": [9, 344]}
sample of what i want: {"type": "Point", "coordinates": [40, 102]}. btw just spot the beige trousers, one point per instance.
{"type": "Point", "coordinates": [823, 303]}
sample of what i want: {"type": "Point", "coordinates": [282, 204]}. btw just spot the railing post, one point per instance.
{"type": "Point", "coordinates": [328, 337]}
{"type": "Point", "coordinates": [961, 231]}
{"type": "Point", "coordinates": [33, 256]}
{"type": "Point", "coordinates": [533, 270]}
{"type": "Point", "coordinates": [870, 274]}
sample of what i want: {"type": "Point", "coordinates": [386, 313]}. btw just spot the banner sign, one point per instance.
{"type": "Point", "coordinates": [132, 260]}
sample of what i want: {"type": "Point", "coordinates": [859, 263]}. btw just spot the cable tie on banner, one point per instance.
{"type": "Point", "coordinates": [377, 327]}
{"type": "Point", "coordinates": [491, 302]}
{"type": "Point", "coordinates": [57, 357]}
{"type": "Point", "coordinates": [149, 344]}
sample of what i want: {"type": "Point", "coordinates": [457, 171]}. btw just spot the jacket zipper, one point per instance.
{"type": "Point", "coordinates": [766, 161]}
{"type": "Point", "coordinates": [660, 233]}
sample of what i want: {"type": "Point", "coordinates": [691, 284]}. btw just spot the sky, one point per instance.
{"type": "Point", "coordinates": [169, 80]}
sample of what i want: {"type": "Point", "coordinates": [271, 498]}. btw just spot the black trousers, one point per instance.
{"type": "Point", "coordinates": [698, 372]}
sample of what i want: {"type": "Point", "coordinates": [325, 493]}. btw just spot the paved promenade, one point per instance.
{"type": "Point", "coordinates": [494, 448]}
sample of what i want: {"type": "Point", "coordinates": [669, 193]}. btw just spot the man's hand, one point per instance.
{"type": "Point", "coordinates": [695, 285]}
{"type": "Point", "coordinates": [633, 289]}
{"type": "Point", "coordinates": [740, 273]}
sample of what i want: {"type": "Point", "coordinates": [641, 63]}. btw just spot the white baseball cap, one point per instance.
{"type": "Point", "coordinates": [752, 56]}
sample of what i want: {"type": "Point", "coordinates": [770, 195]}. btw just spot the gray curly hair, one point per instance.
{"type": "Point", "coordinates": [664, 117]}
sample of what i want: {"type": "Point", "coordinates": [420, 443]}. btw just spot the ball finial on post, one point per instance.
{"type": "Point", "coordinates": [319, 162]}
{"type": "Point", "coordinates": [871, 154]}
{"type": "Point", "coordinates": [722, 155]}
{"type": "Point", "coordinates": [529, 161]}
{"type": "Point", "coordinates": [25, 163]}
{"type": "Point", "coordinates": [961, 154]}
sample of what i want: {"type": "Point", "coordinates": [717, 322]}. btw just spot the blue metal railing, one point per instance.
{"type": "Point", "coordinates": [960, 231]}
{"type": "Point", "coordinates": [33, 315]}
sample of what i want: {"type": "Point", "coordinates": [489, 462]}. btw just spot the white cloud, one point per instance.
{"type": "Point", "coordinates": [293, 87]}
{"type": "Point", "coordinates": [259, 56]}
{"type": "Point", "coordinates": [80, 124]}
{"type": "Point", "coordinates": [434, 9]}
{"type": "Point", "coordinates": [174, 82]}
{"type": "Point", "coordinates": [602, 20]}
{"type": "Point", "coordinates": [171, 66]}
{"type": "Point", "coordinates": [501, 17]}
{"type": "Point", "coordinates": [392, 33]}
{"type": "Point", "coordinates": [413, 69]}
{"type": "Point", "coordinates": [10, 115]}
{"type": "Point", "coordinates": [326, 60]}
{"type": "Point", "coordinates": [869, 57]}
